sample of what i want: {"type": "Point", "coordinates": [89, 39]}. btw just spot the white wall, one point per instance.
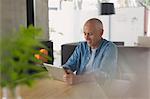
{"type": "Point", "coordinates": [127, 25]}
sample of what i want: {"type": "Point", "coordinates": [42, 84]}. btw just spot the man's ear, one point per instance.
{"type": "Point", "coordinates": [101, 32]}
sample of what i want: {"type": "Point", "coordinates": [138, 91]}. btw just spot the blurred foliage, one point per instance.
{"type": "Point", "coordinates": [147, 2]}
{"type": "Point", "coordinates": [17, 62]}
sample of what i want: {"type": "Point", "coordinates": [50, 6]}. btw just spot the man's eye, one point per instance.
{"type": "Point", "coordinates": [90, 33]}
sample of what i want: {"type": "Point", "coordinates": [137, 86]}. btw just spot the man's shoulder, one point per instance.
{"type": "Point", "coordinates": [108, 44]}
{"type": "Point", "coordinates": [82, 43]}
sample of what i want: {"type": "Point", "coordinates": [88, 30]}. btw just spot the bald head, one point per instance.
{"type": "Point", "coordinates": [96, 22]}
{"type": "Point", "coordinates": [93, 31]}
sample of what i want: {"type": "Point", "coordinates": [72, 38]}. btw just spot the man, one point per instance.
{"type": "Point", "coordinates": [95, 58]}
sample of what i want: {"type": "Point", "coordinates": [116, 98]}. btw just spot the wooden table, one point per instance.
{"type": "Point", "coordinates": [52, 89]}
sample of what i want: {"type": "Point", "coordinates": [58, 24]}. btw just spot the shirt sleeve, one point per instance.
{"type": "Point", "coordinates": [74, 60]}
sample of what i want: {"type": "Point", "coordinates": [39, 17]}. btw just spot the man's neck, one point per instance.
{"type": "Point", "coordinates": [97, 44]}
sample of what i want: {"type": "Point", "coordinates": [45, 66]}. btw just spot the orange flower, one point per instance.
{"type": "Point", "coordinates": [44, 51]}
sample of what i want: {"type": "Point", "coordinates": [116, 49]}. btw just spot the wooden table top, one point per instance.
{"type": "Point", "coordinates": [52, 89]}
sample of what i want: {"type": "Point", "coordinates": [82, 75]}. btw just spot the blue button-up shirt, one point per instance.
{"type": "Point", "coordinates": [105, 59]}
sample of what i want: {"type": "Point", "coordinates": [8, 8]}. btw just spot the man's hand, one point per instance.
{"type": "Point", "coordinates": [69, 77]}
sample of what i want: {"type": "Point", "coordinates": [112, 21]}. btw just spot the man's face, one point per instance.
{"type": "Point", "coordinates": [92, 35]}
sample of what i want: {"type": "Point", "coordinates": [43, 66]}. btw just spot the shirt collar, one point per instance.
{"type": "Point", "coordinates": [100, 43]}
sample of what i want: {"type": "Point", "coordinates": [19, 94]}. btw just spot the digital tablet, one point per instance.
{"type": "Point", "coordinates": [54, 71]}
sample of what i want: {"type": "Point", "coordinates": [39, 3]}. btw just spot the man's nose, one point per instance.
{"type": "Point", "coordinates": [86, 35]}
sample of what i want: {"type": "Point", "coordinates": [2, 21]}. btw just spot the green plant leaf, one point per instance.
{"type": "Point", "coordinates": [18, 64]}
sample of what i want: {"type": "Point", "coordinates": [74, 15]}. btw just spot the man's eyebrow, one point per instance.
{"type": "Point", "coordinates": [89, 33]}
